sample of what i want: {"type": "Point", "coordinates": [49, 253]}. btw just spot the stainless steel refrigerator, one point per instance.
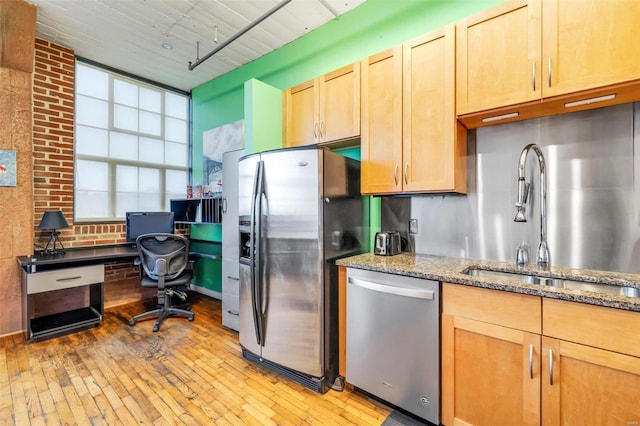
{"type": "Point", "coordinates": [300, 209]}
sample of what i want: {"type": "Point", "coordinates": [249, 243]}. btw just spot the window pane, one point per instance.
{"type": "Point", "coordinates": [150, 123]}
{"type": "Point", "coordinates": [175, 130]}
{"type": "Point", "coordinates": [90, 204]}
{"type": "Point", "coordinates": [92, 82]}
{"type": "Point", "coordinates": [150, 202]}
{"type": "Point", "coordinates": [125, 93]}
{"type": "Point", "coordinates": [150, 100]}
{"type": "Point", "coordinates": [92, 141]}
{"type": "Point", "coordinates": [126, 179]}
{"type": "Point", "coordinates": [176, 183]}
{"type": "Point", "coordinates": [92, 112]}
{"type": "Point", "coordinates": [175, 105]}
{"type": "Point", "coordinates": [175, 154]}
{"type": "Point", "coordinates": [92, 175]}
{"type": "Point", "coordinates": [125, 118]}
{"type": "Point", "coordinates": [122, 145]}
{"type": "Point", "coordinates": [151, 150]}
{"type": "Point", "coordinates": [149, 180]}
{"type": "Point", "coordinates": [126, 202]}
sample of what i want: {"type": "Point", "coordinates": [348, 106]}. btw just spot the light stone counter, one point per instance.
{"type": "Point", "coordinates": [450, 269]}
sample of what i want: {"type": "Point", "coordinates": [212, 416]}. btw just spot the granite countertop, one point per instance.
{"type": "Point", "coordinates": [451, 269]}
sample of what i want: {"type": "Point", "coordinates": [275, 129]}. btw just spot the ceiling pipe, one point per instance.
{"type": "Point", "coordinates": [238, 34]}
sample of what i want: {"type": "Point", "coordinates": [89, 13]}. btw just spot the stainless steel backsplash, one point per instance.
{"type": "Point", "coordinates": [593, 194]}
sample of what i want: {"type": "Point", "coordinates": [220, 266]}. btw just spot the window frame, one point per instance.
{"type": "Point", "coordinates": [112, 162]}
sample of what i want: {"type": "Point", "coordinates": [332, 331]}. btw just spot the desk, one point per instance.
{"type": "Point", "coordinates": [79, 267]}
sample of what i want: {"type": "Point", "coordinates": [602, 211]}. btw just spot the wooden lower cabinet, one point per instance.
{"type": "Point", "coordinates": [588, 386]}
{"type": "Point", "coordinates": [490, 357]}
{"type": "Point", "coordinates": [491, 374]}
{"type": "Point", "coordinates": [497, 368]}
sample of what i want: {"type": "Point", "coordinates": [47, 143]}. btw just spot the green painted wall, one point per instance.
{"type": "Point", "coordinates": [262, 117]}
{"type": "Point", "coordinates": [374, 26]}
{"type": "Point", "coordinates": [370, 28]}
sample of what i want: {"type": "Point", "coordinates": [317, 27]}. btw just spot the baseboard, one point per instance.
{"type": "Point", "coordinates": [206, 291]}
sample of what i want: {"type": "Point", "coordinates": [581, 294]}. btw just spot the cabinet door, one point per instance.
{"type": "Point", "coordinates": [588, 44]}
{"type": "Point", "coordinates": [588, 386]}
{"type": "Point", "coordinates": [434, 158]}
{"type": "Point", "coordinates": [301, 111]}
{"type": "Point", "coordinates": [340, 104]}
{"type": "Point", "coordinates": [498, 57]}
{"type": "Point", "coordinates": [381, 141]}
{"type": "Point", "coordinates": [490, 374]}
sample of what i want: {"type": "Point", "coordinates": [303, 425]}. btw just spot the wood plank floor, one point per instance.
{"type": "Point", "coordinates": [188, 373]}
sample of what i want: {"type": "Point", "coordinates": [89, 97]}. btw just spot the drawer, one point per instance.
{"type": "Point", "coordinates": [230, 277]}
{"type": "Point", "coordinates": [230, 312]}
{"type": "Point", "coordinates": [513, 310]}
{"type": "Point", "coordinates": [606, 328]}
{"type": "Point", "coordinates": [57, 279]}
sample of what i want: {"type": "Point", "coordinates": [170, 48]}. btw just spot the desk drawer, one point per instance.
{"type": "Point", "coordinates": [57, 279]}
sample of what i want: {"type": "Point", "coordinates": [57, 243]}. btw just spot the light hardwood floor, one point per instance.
{"type": "Point", "coordinates": [188, 373]}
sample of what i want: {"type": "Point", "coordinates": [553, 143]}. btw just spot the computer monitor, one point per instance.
{"type": "Point", "coordinates": [139, 223]}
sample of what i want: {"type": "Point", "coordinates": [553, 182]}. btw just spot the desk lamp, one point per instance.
{"type": "Point", "coordinates": [53, 220]}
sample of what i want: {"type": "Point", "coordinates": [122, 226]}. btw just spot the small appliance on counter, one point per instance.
{"type": "Point", "coordinates": [388, 243]}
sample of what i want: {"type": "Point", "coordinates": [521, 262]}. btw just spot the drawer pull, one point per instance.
{"type": "Point", "coordinates": [531, 361]}
{"type": "Point", "coordinates": [69, 278]}
{"type": "Point", "coordinates": [233, 278]}
{"type": "Point", "coordinates": [236, 313]}
{"type": "Point", "coordinates": [550, 367]}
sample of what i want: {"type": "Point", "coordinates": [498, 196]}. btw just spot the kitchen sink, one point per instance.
{"type": "Point", "coordinates": [555, 282]}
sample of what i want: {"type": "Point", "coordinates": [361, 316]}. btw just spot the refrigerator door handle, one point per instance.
{"type": "Point", "coordinates": [254, 244]}
{"type": "Point", "coordinates": [258, 299]}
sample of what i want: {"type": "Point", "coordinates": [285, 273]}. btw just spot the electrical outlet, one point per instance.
{"type": "Point", "coordinates": [413, 226]}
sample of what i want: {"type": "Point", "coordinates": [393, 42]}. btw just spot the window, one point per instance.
{"type": "Point", "coordinates": [131, 147]}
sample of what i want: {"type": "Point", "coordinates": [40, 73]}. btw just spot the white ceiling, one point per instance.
{"type": "Point", "coordinates": [128, 34]}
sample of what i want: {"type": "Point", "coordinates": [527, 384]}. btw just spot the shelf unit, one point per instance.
{"type": "Point", "coordinates": [197, 210]}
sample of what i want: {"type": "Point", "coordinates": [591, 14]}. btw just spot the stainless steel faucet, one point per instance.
{"type": "Point", "coordinates": [543, 259]}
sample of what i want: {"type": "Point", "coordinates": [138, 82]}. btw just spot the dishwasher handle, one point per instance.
{"type": "Point", "coordinates": [399, 291]}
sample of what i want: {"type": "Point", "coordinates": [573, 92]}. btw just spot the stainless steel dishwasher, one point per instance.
{"type": "Point", "coordinates": [393, 340]}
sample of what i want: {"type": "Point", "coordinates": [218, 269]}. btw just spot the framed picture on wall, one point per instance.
{"type": "Point", "coordinates": [216, 142]}
{"type": "Point", "coordinates": [7, 168]}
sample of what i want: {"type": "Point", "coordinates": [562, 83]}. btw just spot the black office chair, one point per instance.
{"type": "Point", "coordinates": [164, 258]}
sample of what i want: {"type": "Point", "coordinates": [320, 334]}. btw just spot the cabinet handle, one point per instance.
{"type": "Point", "coordinates": [406, 170]}
{"type": "Point", "coordinates": [395, 174]}
{"type": "Point", "coordinates": [549, 71]}
{"type": "Point", "coordinates": [550, 367]}
{"type": "Point", "coordinates": [236, 313]}
{"type": "Point", "coordinates": [315, 130]}
{"type": "Point", "coordinates": [69, 278]}
{"type": "Point", "coordinates": [533, 76]}
{"type": "Point", "coordinates": [224, 205]}
{"type": "Point", "coordinates": [233, 278]}
{"type": "Point", "coordinates": [322, 129]}
{"type": "Point", "coordinates": [531, 361]}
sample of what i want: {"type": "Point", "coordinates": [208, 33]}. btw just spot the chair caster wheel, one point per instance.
{"type": "Point", "coordinates": [190, 319]}
{"type": "Point", "coordinates": [156, 328]}
{"type": "Point", "coordinates": [132, 322]}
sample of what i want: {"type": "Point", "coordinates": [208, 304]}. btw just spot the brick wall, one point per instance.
{"type": "Point", "coordinates": [53, 138]}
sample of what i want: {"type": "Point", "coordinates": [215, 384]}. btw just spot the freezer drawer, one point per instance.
{"type": "Point", "coordinates": [393, 340]}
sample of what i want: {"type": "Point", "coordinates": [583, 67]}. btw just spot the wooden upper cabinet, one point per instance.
{"type": "Point", "coordinates": [324, 109]}
{"type": "Point", "coordinates": [301, 114]}
{"type": "Point", "coordinates": [522, 52]}
{"type": "Point", "coordinates": [434, 143]}
{"type": "Point", "coordinates": [381, 124]}
{"type": "Point", "coordinates": [340, 104]}
{"type": "Point", "coordinates": [588, 44]}
{"type": "Point", "coordinates": [498, 57]}
{"type": "Point", "coordinates": [411, 141]}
